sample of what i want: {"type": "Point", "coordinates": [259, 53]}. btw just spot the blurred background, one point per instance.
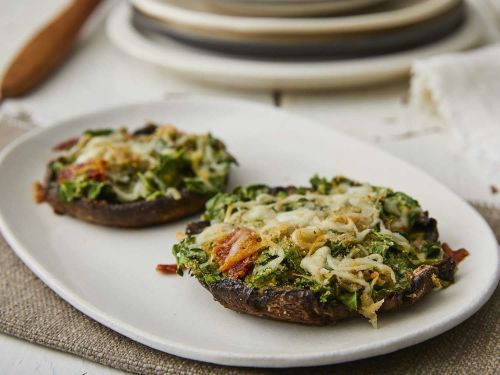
{"type": "Point", "coordinates": [345, 63]}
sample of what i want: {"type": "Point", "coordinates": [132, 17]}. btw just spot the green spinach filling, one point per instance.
{"type": "Point", "coordinates": [391, 237]}
{"type": "Point", "coordinates": [118, 166]}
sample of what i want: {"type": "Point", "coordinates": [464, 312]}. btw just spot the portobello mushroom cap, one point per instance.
{"type": "Point", "coordinates": [135, 214]}
{"type": "Point", "coordinates": [127, 215]}
{"type": "Point", "coordinates": [304, 306]}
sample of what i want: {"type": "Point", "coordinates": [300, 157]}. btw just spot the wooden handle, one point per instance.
{"type": "Point", "coordinates": [46, 50]}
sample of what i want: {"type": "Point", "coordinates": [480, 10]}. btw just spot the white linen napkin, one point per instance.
{"type": "Point", "coordinates": [463, 91]}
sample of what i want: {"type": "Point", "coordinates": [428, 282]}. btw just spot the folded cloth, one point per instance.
{"type": "Point", "coordinates": [463, 91]}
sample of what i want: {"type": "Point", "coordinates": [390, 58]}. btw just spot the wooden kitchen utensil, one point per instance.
{"type": "Point", "coordinates": [46, 50]}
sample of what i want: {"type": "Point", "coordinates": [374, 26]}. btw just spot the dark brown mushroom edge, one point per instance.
{"type": "Point", "coordinates": [151, 176]}
{"type": "Point", "coordinates": [316, 255]}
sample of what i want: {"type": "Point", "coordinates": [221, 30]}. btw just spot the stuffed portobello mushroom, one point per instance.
{"type": "Point", "coordinates": [316, 255]}
{"type": "Point", "coordinates": [118, 178]}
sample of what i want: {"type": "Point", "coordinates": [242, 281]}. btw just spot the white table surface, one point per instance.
{"type": "Point", "coordinates": [99, 75]}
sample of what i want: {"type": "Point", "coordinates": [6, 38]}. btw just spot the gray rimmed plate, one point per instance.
{"type": "Point", "coordinates": [339, 46]}
{"type": "Point", "coordinates": [271, 74]}
{"type": "Point", "coordinates": [192, 14]}
{"type": "Point", "coordinates": [289, 8]}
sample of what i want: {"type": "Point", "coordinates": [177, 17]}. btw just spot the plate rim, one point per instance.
{"type": "Point", "coordinates": [408, 38]}
{"type": "Point", "coordinates": [355, 23]}
{"type": "Point", "coordinates": [214, 356]}
{"type": "Point", "coordinates": [265, 74]}
{"type": "Point", "coordinates": [294, 8]}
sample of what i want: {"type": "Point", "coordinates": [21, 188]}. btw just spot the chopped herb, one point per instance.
{"type": "Point", "coordinates": [98, 132]}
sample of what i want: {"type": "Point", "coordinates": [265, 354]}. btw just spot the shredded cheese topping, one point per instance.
{"type": "Point", "coordinates": [308, 221]}
{"type": "Point", "coordinates": [145, 165]}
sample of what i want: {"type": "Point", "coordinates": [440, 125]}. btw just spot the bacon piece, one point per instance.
{"type": "Point", "coordinates": [38, 192]}
{"type": "Point", "coordinates": [66, 144]}
{"type": "Point", "coordinates": [96, 174]}
{"type": "Point", "coordinates": [241, 269]}
{"type": "Point", "coordinates": [234, 251]}
{"type": "Point", "coordinates": [67, 173]}
{"type": "Point", "coordinates": [456, 255]}
{"type": "Point", "coordinates": [93, 169]}
{"type": "Point", "coordinates": [168, 269]}
{"type": "Point", "coordinates": [223, 246]}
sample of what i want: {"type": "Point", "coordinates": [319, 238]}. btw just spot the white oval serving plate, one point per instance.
{"type": "Point", "coordinates": [237, 72]}
{"type": "Point", "coordinates": [109, 274]}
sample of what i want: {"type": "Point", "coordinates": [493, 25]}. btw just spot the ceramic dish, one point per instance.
{"type": "Point", "coordinates": [109, 274]}
{"type": "Point", "coordinates": [189, 13]}
{"type": "Point", "coordinates": [267, 74]}
{"type": "Point", "coordinates": [289, 8]}
{"type": "Point", "coordinates": [305, 47]}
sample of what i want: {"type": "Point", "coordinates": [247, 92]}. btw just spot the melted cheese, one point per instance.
{"type": "Point", "coordinates": [138, 191]}
{"type": "Point", "coordinates": [213, 232]}
{"type": "Point", "coordinates": [112, 147]}
{"type": "Point", "coordinates": [311, 219]}
{"type": "Point", "coordinates": [351, 273]}
{"type": "Point", "coordinates": [298, 217]}
{"type": "Point", "coordinates": [315, 263]}
{"type": "Point", "coordinates": [125, 156]}
{"type": "Point", "coordinates": [273, 264]}
{"type": "Point", "coordinates": [259, 213]}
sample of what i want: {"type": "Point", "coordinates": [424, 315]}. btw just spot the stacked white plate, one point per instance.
{"type": "Point", "coordinates": [288, 8]}
{"type": "Point", "coordinates": [285, 44]}
{"type": "Point", "coordinates": [282, 8]}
